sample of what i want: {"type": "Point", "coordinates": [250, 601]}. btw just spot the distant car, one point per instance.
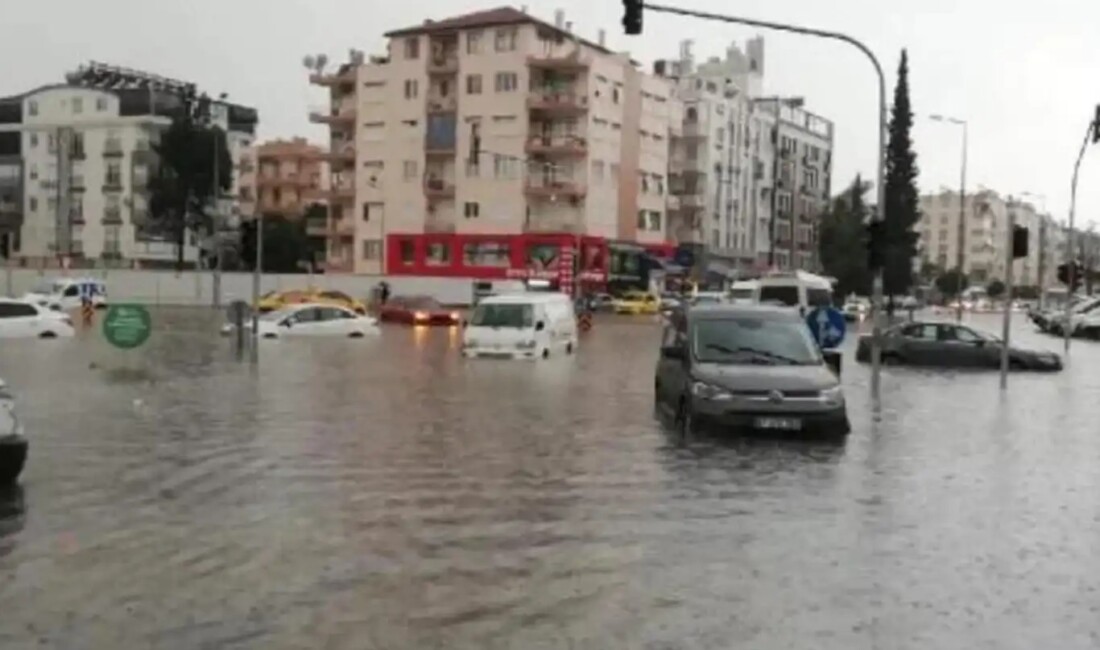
{"type": "Point", "coordinates": [66, 294]}
{"type": "Point", "coordinates": [855, 310]}
{"type": "Point", "coordinates": [637, 303]}
{"type": "Point", "coordinates": [747, 367]}
{"type": "Point", "coordinates": [949, 345]}
{"type": "Point", "coordinates": [417, 310]}
{"type": "Point", "coordinates": [13, 442]}
{"type": "Point", "coordinates": [310, 320]}
{"type": "Point", "coordinates": [279, 299]}
{"type": "Point", "coordinates": [23, 319]}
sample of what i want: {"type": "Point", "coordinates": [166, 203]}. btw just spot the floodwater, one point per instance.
{"type": "Point", "coordinates": [385, 493]}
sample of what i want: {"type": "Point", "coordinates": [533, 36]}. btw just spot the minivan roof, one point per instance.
{"type": "Point", "coordinates": [525, 298]}
{"type": "Point", "coordinates": [802, 277]}
{"type": "Point", "coordinates": [719, 310]}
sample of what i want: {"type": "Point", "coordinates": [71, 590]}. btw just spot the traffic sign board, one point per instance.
{"type": "Point", "coordinates": [827, 325]}
{"type": "Point", "coordinates": [127, 326]}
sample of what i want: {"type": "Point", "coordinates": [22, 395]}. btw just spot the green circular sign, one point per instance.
{"type": "Point", "coordinates": [127, 326]}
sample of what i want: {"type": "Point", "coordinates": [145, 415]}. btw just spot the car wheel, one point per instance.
{"type": "Point", "coordinates": [355, 335]}
{"type": "Point", "coordinates": [270, 336]}
{"type": "Point", "coordinates": [546, 353]}
{"type": "Point", "coordinates": [569, 348]}
{"type": "Point", "coordinates": [1016, 364]}
{"type": "Point", "coordinates": [47, 335]}
{"type": "Point", "coordinates": [891, 359]}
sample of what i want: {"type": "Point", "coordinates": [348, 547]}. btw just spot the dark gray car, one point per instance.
{"type": "Point", "coordinates": [747, 367]}
{"type": "Point", "coordinates": [950, 345]}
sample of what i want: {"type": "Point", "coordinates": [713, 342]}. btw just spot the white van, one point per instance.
{"type": "Point", "coordinates": [743, 292]}
{"type": "Point", "coordinates": [794, 289]}
{"type": "Point", "coordinates": [66, 294]}
{"type": "Point", "coordinates": [521, 326]}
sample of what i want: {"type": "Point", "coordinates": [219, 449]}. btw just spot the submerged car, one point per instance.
{"type": "Point", "coordinates": [950, 345]}
{"type": "Point", "coordinates": [23, 319]}
{"type": "Point", "coordinates": [637, 303]}
{"type": "Point", "coordinates": [276, 300]}
{"type": "Point", "coordinates": [747, 367]}
{"type": "Point", "coordinates": [418, 310]}
{"type": "Point", "coordinates": [13, 442]}
{"type": "Point", "coordinates": [310, 320]}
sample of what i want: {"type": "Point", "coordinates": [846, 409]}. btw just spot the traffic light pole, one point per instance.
{"type": "Point", "coordinates": [1071, 250]}
{"type": "Point", "coordinates": [879, 215]}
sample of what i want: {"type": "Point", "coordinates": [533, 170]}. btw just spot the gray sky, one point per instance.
{"type": "Point", "coordinates": [1023, 74]}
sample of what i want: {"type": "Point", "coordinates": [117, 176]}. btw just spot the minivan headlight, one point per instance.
{"type": "Point", "coordinates": [707, 391]}
{"type": "Point", "coordinates": [834, 395]}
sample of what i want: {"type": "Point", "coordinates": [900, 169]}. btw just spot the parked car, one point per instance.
{"type": "Point", "coordinates": [418, 310]}
{"type": "Point", "coordinates": [13, 441]}
{"type": "Point", "coordinates": [278, 299]}
{"type": "Point", "coordinates": [856, 310]}
{"type": "Point", "coordinates": [23, 319]}
{"type": "Point", "coordinates": [950, 345]}
{"type": "Point", "coordinates": [747, 367]}
{"type": "Point", "coordinates": [310, 320]}
{"type": "Point", "coordinates": [637, 303]}
{"type": "Point", "coordinates": [67, 294]}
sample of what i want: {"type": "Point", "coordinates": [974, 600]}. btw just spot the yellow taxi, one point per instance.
{"type": "Point", "coordinates": [279, 299]}
{"type": "Point", "coordinates": [636, 303]}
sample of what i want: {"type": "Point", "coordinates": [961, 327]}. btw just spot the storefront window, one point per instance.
{"type": "Point", "coordinates": [492, 254]}
{"type": "Point", "coordinates": [407, 251]}
{"type": "Point", "coordinates": [542, 257]}
{"type": "Point", "coordinates": [439, 254]}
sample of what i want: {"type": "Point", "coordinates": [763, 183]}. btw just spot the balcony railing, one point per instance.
{"type": "Point", "coordinates": [333, 116]}
{"type": "Point", "coordinates": [692, 202]}
{"type": "Point", "coordinates": [437, 148]}
{"type": "Point", "coordinates": [442, 105]}
{"type": "Point", "coordinates": [694, 130]}
{"type": "Point", "coordinates": [333, 78]}
{"type": "Point", "coordinates": [672, 202]}
{"type": "Point", "coordinates": [569, 145]}
{"type": "Point", "coordinates": [556, 189]}
{"type": "Point", "coordinates": [341, 229]}
{"type": "Point", "coordinates": [112, 185]}
{"type": "Point", "coordinates": [112, 148]}
{"type": "Point", "coordinates": [557, 101]}
{"type": "Point", "coordinates": [559, 60]}
{"type": "Point", "coordinates": [112, 216]}
{"type": "Point", "coordinates": [437, 188]}
{"type": "Point", "coordinates": [443, 64]}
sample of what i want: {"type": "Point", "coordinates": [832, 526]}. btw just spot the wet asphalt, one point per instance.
{"type": "Point", "coordinates": [386, 493]}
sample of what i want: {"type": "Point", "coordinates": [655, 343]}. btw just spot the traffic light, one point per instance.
{"type": "Point", "coordinates": [1095, 119]}
{"type": "Point", "coordinates": [876, 243]}
{"type": "Point", "coordinates": [1019, 242]}
{"type": "Point", "coordinates": [1078, 275]}
{"type": "Point", "coordinates": [632, 17]}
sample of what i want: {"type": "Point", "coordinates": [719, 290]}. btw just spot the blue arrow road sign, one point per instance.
{"type": "Point", "coordinates": [827, 325]}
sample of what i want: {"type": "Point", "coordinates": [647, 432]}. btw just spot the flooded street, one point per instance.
{"type": "Point", "coordinates": [386, 493]}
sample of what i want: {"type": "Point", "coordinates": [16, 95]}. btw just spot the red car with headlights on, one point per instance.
{"type": "Point", "coordinates": [417, 310]}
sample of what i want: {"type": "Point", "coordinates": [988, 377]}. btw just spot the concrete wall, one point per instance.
{"type": "Point", "coordinates": [197, 288]}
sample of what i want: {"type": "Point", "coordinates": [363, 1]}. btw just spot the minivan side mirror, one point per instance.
{"type": "Point", "coordinates": [539, 326]}
{"type": "Point", "coordinates": [672, 352]}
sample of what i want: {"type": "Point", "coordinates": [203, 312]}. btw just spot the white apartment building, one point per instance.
{"type": "Point", "coordinates": [734, 145]}
{"type": "Point", "coordinates": [491, 125]}
{"type": "Point", "coordinates": [75, 163]}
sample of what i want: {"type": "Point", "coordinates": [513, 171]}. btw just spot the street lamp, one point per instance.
{"type": "Point", "coordinates": [960, 253]}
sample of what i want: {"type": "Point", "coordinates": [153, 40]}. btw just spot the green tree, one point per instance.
{"type": "Point", "coordinates": [181, 188]}
{"type": "Point", "coordinates": [842, 242]}
{"type": "Point", "coordinates": [286, 246]}
{"type": "Point", "coordinates": [901, 209]}
{"type": "Point", "coordinates": [951, 282]}
{"type": "Point", "coordinates": [995, 289]}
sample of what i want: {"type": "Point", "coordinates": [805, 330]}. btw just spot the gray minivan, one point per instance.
{"type": "Point", "coordinates": [748, 367]}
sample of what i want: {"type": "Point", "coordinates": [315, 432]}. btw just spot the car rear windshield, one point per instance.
{"type": "Point", "coordinates": [521, 316]}
{"type": "Point", "coordinates": [750, 339]}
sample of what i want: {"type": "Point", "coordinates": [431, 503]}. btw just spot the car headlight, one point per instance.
{"type": "Point", "coordinates": [834, 395]}
{"type": "Point", "coordinates": [710, 392]}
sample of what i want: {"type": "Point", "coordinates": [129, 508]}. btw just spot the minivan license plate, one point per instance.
{"type": "Point", "coordinates": [779, 424]}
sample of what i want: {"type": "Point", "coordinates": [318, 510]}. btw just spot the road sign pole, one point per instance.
{"type": "Point", "coordinates": [1007, 325]}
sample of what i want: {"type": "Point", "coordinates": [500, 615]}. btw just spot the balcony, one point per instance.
{"type": "Point", "coordinates": [76, 184]}
{"type": "Point", "coordinates": [692, 202]}
{"type": "Point", "coordinates": [345, 154]}
{"type": "Point", "coordinates": [442, 105]}
{"type": "Point", "coordinates": [563, 102]}
{"type": "Point", "coordinates": [112, 216]}
{"type": "Point", "coordinates": [443, 64]}
{"type": "Point", "coordinates": [112, 148]}
{"type": "Point", "coordinates": [112, 185]}
{"type": "Point", "coordinates": [343, 76]}
{"type": "Point", "coordinates": [694, 131]}
{"type": "Point", "coordinates": [333, 116]}
{"type": "Point", "coordinates": [563, 61]}
{"type": "Point", "coordinates": [78, 153]}
{"type": "Point", "coordinates": [569, 145]}
{"type": "Point", "coordinates": [317, 227]}
{"type": "Point", "coordinates": [555, 224]}
{"type": "Point", "coordinates": [437, 189]}
{"type": "Point", "coordinates": [536, 188]}
{"type": "Point", "coordinates": [672, 203]}
{"type": "Point", "coordinates": [441, 225]}
{"type": "Point", "coordinates": [340, 229]}
{"type": "Point", "coordinates": [439, 149]}
{"type": "Point", "coordinates": [341, 193]}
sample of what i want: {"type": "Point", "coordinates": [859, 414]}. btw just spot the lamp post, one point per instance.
{"type": "Point", "coordinates": [960, 253]}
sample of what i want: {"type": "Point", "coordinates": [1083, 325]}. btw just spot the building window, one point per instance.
{"type": "Point", "coordinates": [615, 94]}
{"type": "Point", "coordinates": [111, 239]}
{"type": "Point", "coordinates": [412, 47]}
{"type": "Point", "coordinates": [101, 104]}
{"type": "Point", "coordinates": [438, 254]}
{"type": "Point", "coordinates": [597, 170]}
{"type": "Point", "coordinates": [372, 249]}
{"type": "Point", "coordinates": [406, 252]}
{"type": "Point", "coordinates": [654, 221]}
{"type": "Point", "coordinates": [473, 41]}
{"type": "Point", "coordinates": [34, 140]}
{"type": "Point", "coordinates": [33, 204]}
{"type": "Point", "coordinates": [506, 82]}
{"type": "Point", "coordinates": [114, 175]}
{"type": "Point", "coordinates": [471, 210]}
{"type": "Point", "coordinates": [32, 107]}
{"type": "Point", "coordinates": [408, 170]}
{"type": "Point", "coordinates": [473, 84]}
{"type": "Point", "coordinates": [504, 166]}
{"type": "Point", "coordinates": [411, 88]}
{"type": "Point", "coordinates": [492, 254]}
{"type": "Point", "coordinates": [473, 170]}
{"type": "Point", "coordinates": [641, 220]}
{"type": "Point", "coordinates": [366, 212]}
{"type": "Point", "coordinates": [506, 39]}
{"type": "Point", "coordinates": [78, 105]}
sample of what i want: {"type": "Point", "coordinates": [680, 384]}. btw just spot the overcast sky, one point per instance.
{"type": "Point", "coordinates": [1026, 75]}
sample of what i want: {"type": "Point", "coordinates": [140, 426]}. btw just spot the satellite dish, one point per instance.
{"type": "Point", "coordinates": [308, 61]}
{"type": "Point", "coordinates": [322, 61]}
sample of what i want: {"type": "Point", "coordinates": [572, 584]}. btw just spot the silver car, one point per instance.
{"type": "Point", "coordinates": [748, 367]}
{"type": "Point", "coordinates": [13, 445]}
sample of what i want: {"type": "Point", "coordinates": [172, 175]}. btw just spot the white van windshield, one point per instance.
{"type": "Point", "coordinates": [819, 297]}
{"type": "Point", "coordinates": [784, 294]}
{"type": "Point", "coordinates": [503, 315]}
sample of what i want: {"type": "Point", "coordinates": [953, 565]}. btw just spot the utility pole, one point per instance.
{"type": "Point", "coordinates": [1006, 326]}
{"type": "Point", "coordinates": [960, 254]}
{"type": "Point", "coordinates": [1093, 134]}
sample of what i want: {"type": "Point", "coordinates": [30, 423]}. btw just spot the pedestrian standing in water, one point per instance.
{"type": "Point", "coordinates": [384, 291]}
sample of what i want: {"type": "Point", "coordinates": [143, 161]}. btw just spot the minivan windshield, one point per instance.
{"type": "Point", "coordinates": [751, 339]}
{"type": "Point", "coordinates": [742, 293]}
{"type": "Point", "coordinates": [784, 294]}
{"type": "Point", "coordinates": [503, 315]}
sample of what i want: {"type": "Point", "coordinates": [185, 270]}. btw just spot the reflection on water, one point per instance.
{"type": "Point", "coordinates": [386, 493]}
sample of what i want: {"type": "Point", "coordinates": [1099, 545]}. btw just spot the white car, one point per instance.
{"type": "Point", "coordinates": [68, 293]}
{"type": "Point", "coordinates": [13, 444]}
{"type": "Point", "coordinates": [310, 319]}
{"type": "Point", "coordinates": [22, 319]}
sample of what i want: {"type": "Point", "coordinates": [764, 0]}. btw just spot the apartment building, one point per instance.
{"type": "Point", "coordinates": [735, 144]}
{"type": "Point", "coordinates": [281, 178]}
{"type": "Point", "coordinates": [489, 144]}
{"type": "Point", "coordinates": [75, 163]}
